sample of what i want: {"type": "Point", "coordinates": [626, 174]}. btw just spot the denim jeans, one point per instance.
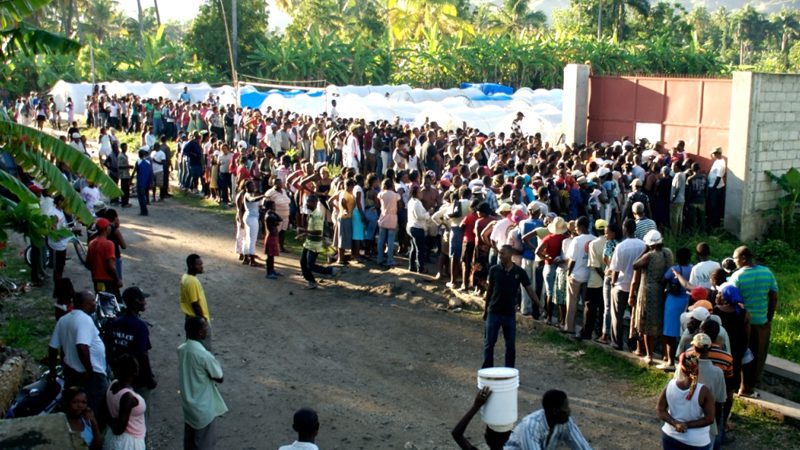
{"type": "Point", "coordinates": [606, 305]}
{"type": "Point", "coordinates": [669, 443]}
{"type": "Point", "coordinates": [508, 322]}
{"type": "Point", "coordinates": [308, 264]}
{"type": "Point", "coordinates": [416, 256]}
{"type": "Point", "coordinates": [386, 238]}
{"type": "Point", "coordinates": [320, 156]}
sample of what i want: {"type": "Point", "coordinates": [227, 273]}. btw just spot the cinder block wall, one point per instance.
{"type": "Point", "coordinates": [765, 135]}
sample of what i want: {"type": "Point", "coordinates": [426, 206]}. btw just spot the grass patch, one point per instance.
{"type": "Point", "coordinates": [26, 317]}
{"type": "Point", "coordinates": [31, 335]}
{"type": "Point", "coordinates": [202, 203]}
{"type": "Point", "coordinates": [782, 259]}
{"type": "Point", "coordinates": [134, 140]}
{"type": "Point", "coordinates": [762, 428]}
{"type": "Point", "coordinates": [644, 381]}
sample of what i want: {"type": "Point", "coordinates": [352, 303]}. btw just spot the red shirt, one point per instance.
{"type": "Point", "coordinates": [99, 252]}
{"type": "Point", "coordinates": [552, 246]}
{"type": "Point", "coordinates": [468, 224]}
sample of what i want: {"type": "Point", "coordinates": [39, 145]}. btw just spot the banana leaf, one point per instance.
{"type": "Point", "coordinates": [14, 11]}
{"type": "Point", "coordinates": [15, 186]}
{"type": "Point", "coordinates": [29, 40]}
{"type": "Point", "coordinates": [33, 151]}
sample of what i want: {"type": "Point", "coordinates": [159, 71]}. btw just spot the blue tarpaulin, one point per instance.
{"type": "Point", "coordinates": [489, 88]}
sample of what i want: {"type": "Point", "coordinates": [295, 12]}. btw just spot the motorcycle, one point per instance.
{"type": "Point", "coordinates": [44, 395]}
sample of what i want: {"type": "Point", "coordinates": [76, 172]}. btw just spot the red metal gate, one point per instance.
{"type": "Point", "coordinates": [695, 110]}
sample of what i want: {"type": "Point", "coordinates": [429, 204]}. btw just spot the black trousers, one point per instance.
{"type": "Point", "coordinates": [125, 185]}
{"type": "Point", "coordinates": [592, 309]}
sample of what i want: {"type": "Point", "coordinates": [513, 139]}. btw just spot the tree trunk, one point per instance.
{"type": "Point", "coordinates": [158, 13]}
{"type": "Point", "coordinates": [235, 32]}
{"type": "Point", "coordinates": [67, 24]}
{"type": "Point", "coordinates": [141, 26]}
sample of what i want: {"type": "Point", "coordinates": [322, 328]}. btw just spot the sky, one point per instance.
{"type": "Point", "coordinates": [182, 10]}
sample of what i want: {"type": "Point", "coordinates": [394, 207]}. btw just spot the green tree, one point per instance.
{"type": "Point", "coordinates": [206, 34]}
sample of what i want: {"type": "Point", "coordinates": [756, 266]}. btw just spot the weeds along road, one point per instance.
{"type": "Point", "coordinates": [372, 354]}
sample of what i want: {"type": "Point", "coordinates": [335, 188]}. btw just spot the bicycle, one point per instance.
{"type": "Point", "coordinates": [80, 249]}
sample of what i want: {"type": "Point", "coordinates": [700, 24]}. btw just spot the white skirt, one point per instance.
{"type": "Point", "coordinates": [123, 441]}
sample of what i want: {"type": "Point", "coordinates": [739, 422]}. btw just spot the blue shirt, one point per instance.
{"type": "Point", "coordinates": [528, 225]}
{"type": "Point", "coordinates": [144, 173]}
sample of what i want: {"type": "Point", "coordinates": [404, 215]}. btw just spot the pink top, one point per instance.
{"type": "Point", "coordinates": [136, 426]}
{"type": "Point", "coordinates": [388, 218]}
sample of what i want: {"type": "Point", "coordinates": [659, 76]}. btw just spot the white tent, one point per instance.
{"type": "Point", "coordinates": [450, 108]}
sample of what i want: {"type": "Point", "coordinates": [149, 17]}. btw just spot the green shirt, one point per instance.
{"type": "Point", "coordinates": [316, 222]}
{"type": "Point", "coordinates": [200, 397]}
{"type": "Point", "coordinates": [755, 283]}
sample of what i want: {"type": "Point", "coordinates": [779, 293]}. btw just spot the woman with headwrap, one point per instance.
{"type": "Point", "coordinates": [687, 409]}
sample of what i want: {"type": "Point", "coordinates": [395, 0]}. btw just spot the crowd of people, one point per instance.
{"type": "Point", "coordinates": [569, 235]}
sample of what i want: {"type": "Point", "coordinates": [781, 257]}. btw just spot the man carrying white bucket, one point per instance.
{"type": "Point", "coordinates": [500, 310]}
{"type": "Point", "coordinates": [548, 428]}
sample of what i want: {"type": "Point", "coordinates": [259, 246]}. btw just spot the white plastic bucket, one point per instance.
{"type": "Point", "coordinates": [500, 410]}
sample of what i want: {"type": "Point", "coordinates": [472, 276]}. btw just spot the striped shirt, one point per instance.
{"type": "Point", "coordinates": [755, 283]}
{"type": "Point", "coordinates": [533, 433]}
{"type": "Point", "coordinates": [643, 226]}
{"type": "Point", "coordinates": [719, 358]}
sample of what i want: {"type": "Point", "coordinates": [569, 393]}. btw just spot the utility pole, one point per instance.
{"type": "Point", "coordinates": [235, 31]}
{"type": "Point", "coordinates": [599, 19]}
{"type": "Point", "coordinates": [234, 76]}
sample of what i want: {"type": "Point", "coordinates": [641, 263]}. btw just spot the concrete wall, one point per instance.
{"type": "Point", "coordinates": [764, 135]}
{"type": "Point", "coordinates": [575, 109]}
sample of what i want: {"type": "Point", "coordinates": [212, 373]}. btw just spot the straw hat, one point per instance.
{"type": "Point", "coordinates": [557, 226]}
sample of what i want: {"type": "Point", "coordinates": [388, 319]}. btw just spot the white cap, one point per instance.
{"type": "Point", "coordinates": [653, 237]}
{"type": "Point", "coordinates": [242, 144]}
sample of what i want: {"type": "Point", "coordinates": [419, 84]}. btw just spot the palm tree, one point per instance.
{"type": "Point", "coordinates": [514, 16]}
{"type": "Point", "coordinates": [410, 20]}
{"type": "Point", "coordinates": [618, 13]}
{"type": "Point", "coordinates": [789, 27]}
{"type": "Point", "coordinates": [158, 13]}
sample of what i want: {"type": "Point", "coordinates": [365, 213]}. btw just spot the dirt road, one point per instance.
{"type": "Point", "coordinates": [372, 354]}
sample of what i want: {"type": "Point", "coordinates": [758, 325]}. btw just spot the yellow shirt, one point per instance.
{"type": "Point", "coordinates": [192, 291]}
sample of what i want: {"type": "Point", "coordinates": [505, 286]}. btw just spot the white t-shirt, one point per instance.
{"type": "Point", "coordinates": [701, 273]}
{"type": "Point", "coordinates": [157, 156]}
{"type": "Point", "coordinates": [78, 328]}
{"type": "Point", "coordinates": [717, 170]}
{"type": "Point", "coordinates": [61, 224]}
{"type": "Point", "coordinates": [499, 235]}
{"type": "Point", "coordinates": [578, 251]}
{"type": "Point", "coordinates": [625, 254]}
